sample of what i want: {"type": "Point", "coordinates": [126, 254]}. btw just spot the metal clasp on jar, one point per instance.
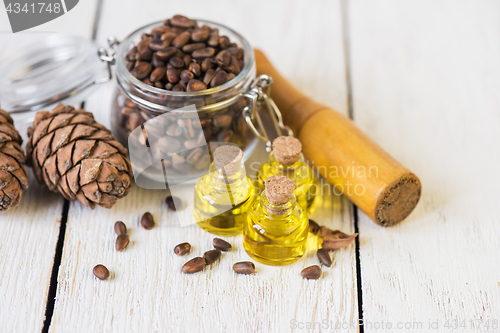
{"type": "Point", "coordinates": [108, 57]}
{"type": "Point", "coordinates": [258, 94]}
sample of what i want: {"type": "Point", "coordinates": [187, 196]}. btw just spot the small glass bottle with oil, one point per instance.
{"type": "Point", "coordinates": [287, 159]}
{"type": "Point", "coordinates": [277, 227]}
{"type": "Point", "coordinates": [224, 195]}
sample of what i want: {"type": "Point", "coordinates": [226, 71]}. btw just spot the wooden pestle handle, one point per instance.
{"type": "Point", "coordinates": [375, 182]}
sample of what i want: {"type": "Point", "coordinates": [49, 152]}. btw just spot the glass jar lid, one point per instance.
{"type": "Point", "coordinates": [49, 71]}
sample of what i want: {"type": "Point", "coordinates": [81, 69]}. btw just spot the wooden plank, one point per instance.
{"type": "Point", "coordinates": [146, 291]}
{"type": "Point", "coordinates": [30, 231]}
{"type": "Point", "coordinates": [425, 78]}
{"type": "Point", "coordinates": [27, 246]}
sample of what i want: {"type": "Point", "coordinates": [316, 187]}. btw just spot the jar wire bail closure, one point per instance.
{"type": "Point", "coordinates": [258, 94]}
{"type": "Point", "coordinates": [108, 56]}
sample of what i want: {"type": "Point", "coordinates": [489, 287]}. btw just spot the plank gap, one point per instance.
{"type": "Point", "coordinates": [350, 110]}
{"type": "Point", "coordinates": [347, 56]}
{"type": "Point", "coordinates": [51, 297]}
{"type": "Point", "coordinates": [97, 19]}
{"type": "Point", "coordinates": [358, 269]}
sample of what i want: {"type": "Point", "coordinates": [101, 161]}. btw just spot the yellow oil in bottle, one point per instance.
{"type": "Point", "coordinates": [301, 174]}
{"type": "Point", "coordinates": [276, 234]}
{"type": "Point", "coordinates": [221, 202]}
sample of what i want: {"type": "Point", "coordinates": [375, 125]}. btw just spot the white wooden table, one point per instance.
{"type": "Point", "coordinates": [422, 78]}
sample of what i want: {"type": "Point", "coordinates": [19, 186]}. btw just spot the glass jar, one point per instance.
{"type": "Point", "coordinates": [54, 69]}
{"type": "Point", "coordinates": [177, 142]}
{"type": "Point", "coordinates": [181, 125]}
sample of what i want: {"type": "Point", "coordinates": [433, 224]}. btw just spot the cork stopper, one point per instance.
{"type": "Point", "coordinates": [279, 189]}
{"type": "Point", "coordinates": [227, 159]}
{"type": "Point", "coordinates": [287, 149]}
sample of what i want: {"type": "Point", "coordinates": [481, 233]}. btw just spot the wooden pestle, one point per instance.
{"type": "Point", "coordinates": [374, 181]}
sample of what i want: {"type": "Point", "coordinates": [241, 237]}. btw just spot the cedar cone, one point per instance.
{"type": "Point", "coordinates": [78, 157]}
{"type": "Point", "coordinates": [13, 178]}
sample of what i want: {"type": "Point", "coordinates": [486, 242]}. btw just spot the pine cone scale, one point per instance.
{"type": "Point", "coordinates": [82, 131]}
{"type": "Point", "coordinates": [72, 178]}
{"type": "Point", "coordinates": [82, 150]}
{"type": "Point", "coordinates": [9, 133]}
{"type": "Point", "coordinates": [60, 121]}
{"type": "Point", "coordinates": [13, 177]}
{"type": "Point", "coordinates": [43, 148]}
{"type": "Point", "coordinates": [13, 150]}
{"type": "Point", "coordinates": [51, 171]}
{"type": "Point", "coordinates": [108, 200]}
{"type": "Point", "coordinates": [9, 196]}
{"type": "Point", "coordinates": [105, 187]}
{"type": "Point", "coordinates": [5, 117]}
{"type": "Point", "coordinates": [118, 162]}
{"type": "Point", "coordinates": [19, 174]}
{"type": "Point", "coordinates": [118, 146]}
{"type": "Point", "coordinates": [81, 197]}
{"type": "Point", "coordinates": [120, 185]}
{"type": "Point", "coordinates": [5, 138]}
{"type": "Point", "coordinates": [82, 118]}
{"type": "Point", "coordinates": [41, 131]}
{"type": "Point", "coordinates": [64, 158]}
{"type": "Point", "coordinates": [5, 179]}
{"type": "Point", "coordinates": [63, 188]}
{"type": "Point", "coordinates": [61, 137]}
{"type": "Point", "coordinates": [101, 135]}
{"type": "Point", "coordinates": [103, 150]}
{"type": "Point", "coordinates": [91, 192]}
{"type": "Point", "coordinates": [37, 170]}
{"type": "Point", "coordinates": [89, 170]}
{"type": "Point", "coordinates": [108, 173]}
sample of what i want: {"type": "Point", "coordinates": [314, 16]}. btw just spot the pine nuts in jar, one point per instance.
{"type": "Point", "coordinates": [196, 73]}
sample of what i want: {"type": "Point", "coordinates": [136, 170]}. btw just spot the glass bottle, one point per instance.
{"type": "Point", "coordinates": [287, 159]}
{"type": "Point", "coordinates": [277, 227]}
{"type": "Point", "coordinates": [224, 195]}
